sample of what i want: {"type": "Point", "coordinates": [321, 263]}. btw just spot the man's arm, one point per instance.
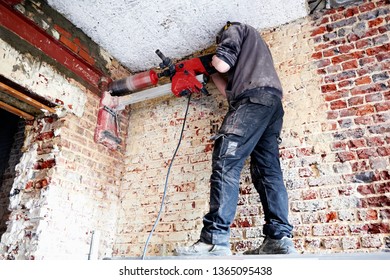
{"type": "Point", "coordinates": [222, 67]}
{"type": "Point", "coordinates": [219, 82]}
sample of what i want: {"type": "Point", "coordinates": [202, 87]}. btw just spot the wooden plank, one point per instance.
{"type": "Point", "coordinates": [25, 98]}
{"type": "Point", "coordinates": [16, 111]}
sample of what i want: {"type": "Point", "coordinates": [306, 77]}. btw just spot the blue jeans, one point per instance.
{"type": "Point", "coordinates": [252, 128]}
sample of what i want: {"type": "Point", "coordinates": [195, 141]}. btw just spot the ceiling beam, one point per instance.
{"type": "Point", "coordinates": [37, 37]}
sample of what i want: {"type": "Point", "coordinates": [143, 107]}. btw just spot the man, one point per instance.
{"type": "Point", "coordinates": [250, 128]}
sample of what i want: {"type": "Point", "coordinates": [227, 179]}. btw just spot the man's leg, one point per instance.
{"type": "Point", "coordinates": [240, 132]}
{"type": "Point", "coordinates": [267, 178]}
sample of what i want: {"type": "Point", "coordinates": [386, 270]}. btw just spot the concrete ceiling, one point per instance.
{"type": "Point", "coordinates": [131, 30]}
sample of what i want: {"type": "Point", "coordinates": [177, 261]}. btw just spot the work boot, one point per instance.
{"type": "Point", "coordinates": [200, 249]}
{"type": "Point", "coordinates": [274, 246]}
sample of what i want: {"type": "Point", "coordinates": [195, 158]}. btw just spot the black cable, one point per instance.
{"type": "Point", "coordinates": [312, 10]}
{"type": "Point", "coordinates": [166, 181]}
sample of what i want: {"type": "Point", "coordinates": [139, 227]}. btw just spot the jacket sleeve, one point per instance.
{"type": "Point", "coordinates": [230, 46]}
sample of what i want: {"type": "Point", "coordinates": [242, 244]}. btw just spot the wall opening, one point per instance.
{"type": "Point", "coordinates": [11, 142]}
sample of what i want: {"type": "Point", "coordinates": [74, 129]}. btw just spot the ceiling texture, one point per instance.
{"type": "Point", "coordinates": [132, 30]}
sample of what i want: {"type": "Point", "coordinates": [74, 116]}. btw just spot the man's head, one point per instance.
{"type": "Point", "coordinates": [223, 29]}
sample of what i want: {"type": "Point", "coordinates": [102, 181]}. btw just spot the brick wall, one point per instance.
{"type": "Point", "coordinates": [334, 153]}
{"type": "Point", "coordinates": [65, 185]}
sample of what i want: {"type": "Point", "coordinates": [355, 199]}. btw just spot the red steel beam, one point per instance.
{"type": "Point", "coordinates": [37, 37]}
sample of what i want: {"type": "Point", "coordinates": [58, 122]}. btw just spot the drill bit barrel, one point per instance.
{"type": "Point", "coordinates": [133, 83]}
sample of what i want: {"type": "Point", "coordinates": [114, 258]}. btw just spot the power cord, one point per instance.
{"type": "Point", "coordinates": [166, 181]}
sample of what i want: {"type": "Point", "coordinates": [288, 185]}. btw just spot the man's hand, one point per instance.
{"type": "Point", "coordinates": [219, 64]}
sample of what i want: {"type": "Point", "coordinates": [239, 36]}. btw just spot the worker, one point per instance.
{"type": "Point", "coordinates": [252, 128]}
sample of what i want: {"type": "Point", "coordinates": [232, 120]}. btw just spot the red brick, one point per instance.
{"type": "Point", "coordinates": [330, 96]}
{"type": "Point", "coordinates": [384, 151]}
{"type": "Point", "coordinates": [364, 89]}
{"type": "Point", "coordinates": [346, 48]}
{"type": "Point", "coordinates": [69, 44]}
{"type": "Point", "coordinates": [375, 97]}
{"type": "Point", "coordinates": [384, 29]}
{"type": "Point", "coordinates": [331, 52]}
{"type": "Point", "coordinates": [318, 31]}
{"type": "Point", "coordinates": [377, 50]}
{"type": "Point", "coordinates": [364, 120]}
{"type": "Point", "coordinates": [383, 56]}
{"type": "Point", "coordinates": [344, 83]}
{"type": "Point", "coordinates": [344, 57]}
{"type": "Point", "coordinates": [375, 22]}
{"type": "Point", "coordinates": [382, 188]}
{"type": "Point", "coordinates": [385, 106]}
{"type": "Point", "coordinates": [366, 153]}
{"type": "Point", "coordinates": [353, 64]}
{"type": "Point", "coordinates": [378, 201]}
{"type": "Point", "coordinates": [328, 88]}
{"type": "Point", "coordinates": [375, 141]}
{"type": "Point", "coordinates": [351, 12]}
{"type": "Point", "coordinates": [62, 31]}
{"type": "Point", "coordinates": [366, 60]}
{"type": "Point", "coordinates": [366, 7]}
{"type": "Point", "coordinates": [363, 80]}
{"type": "Point", "coordinates": [339, 104]}
{"type": "Point", "coordinates": [87, 57]}
{"type": "Point", "coordinates": [348, 112]}
{"type": "Point", "coordinates": [321, 71]}
{"type": "Point", "coordinates": [317, 55]}
{"type": "Point", "coordinates": [346, 156]}
{"type": "Point", "coordinates": [365, 110]}
{"type": "Point", "coordinates": [366, 189]}
{"type": "Point", "coordinates": [332, 115]}
{"type": "Point", "coordinates": [357, 100]}
{"type": "Point", "coordinates": [371, 32]}
{"type": "Point", "coordinates": [356, 143]}
{"type": "Point", "coordinates": [324, 20]}
{"type": "Point", "coordinates": [361, 44]}
{"type": "Point", "coordinates": [336, 17]}
{"type": "Point", "coordinates": [360, 166]}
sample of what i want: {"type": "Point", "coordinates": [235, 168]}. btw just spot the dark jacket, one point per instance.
{"type": "Point", "coordinates": [250, 59]}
